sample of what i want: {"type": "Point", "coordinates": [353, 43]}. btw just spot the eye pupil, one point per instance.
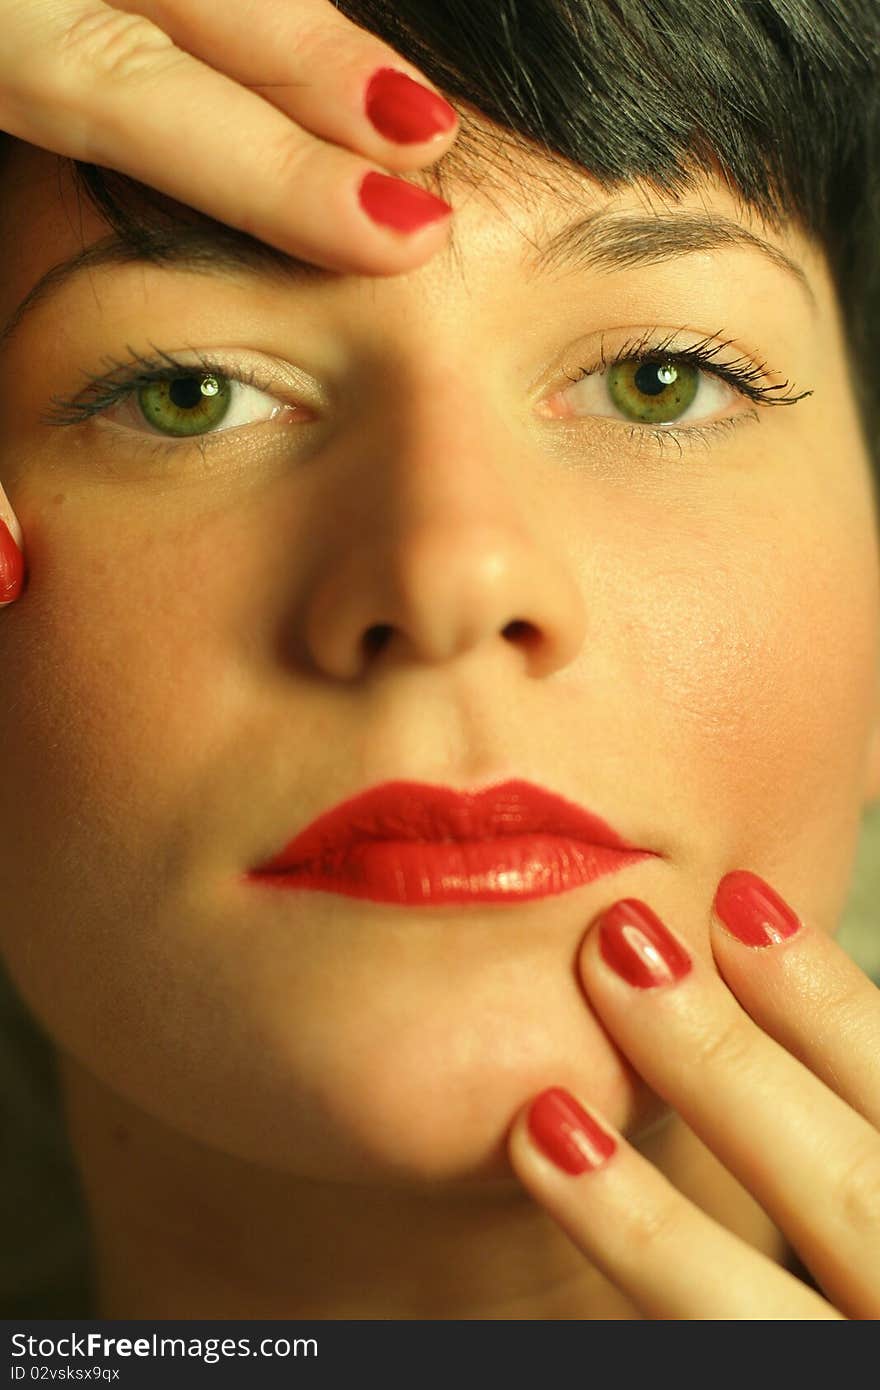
{"type": "Point", "coordinates": [187, 391]}
{"type": "Point", "coordinates": [652, 378]}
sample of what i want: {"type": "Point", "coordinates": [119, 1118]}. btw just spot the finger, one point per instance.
{"type": "Point", "coordinates": [317, 66]}
{"type": "Point", "coordinates": [11, 553]}
{"type": "Point", "coordinates": [801, 987]}
{"type": "Point", "coordinates": [810, 1160]}
{"type": "Point", "coordinates": [111, 88]}
{"type": "Point", "coordinates": [668, 1257]}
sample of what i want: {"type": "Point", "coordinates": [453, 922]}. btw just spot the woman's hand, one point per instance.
{"type": "Point", "coordinates": [261, 115]}
{"type": "Point", "coordinates": [779, 1075]}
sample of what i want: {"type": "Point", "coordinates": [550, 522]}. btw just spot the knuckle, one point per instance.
{"type": "Point", "coordinates": [115, 46]}
{"type": "Point", "coordinates": [859, 1189]}
{"type": "Point", "coordinates": [284, 164]}
{"type": "Point", "coordinates": [725, 1047]}
{"type": "Point", "coordinates": [651, 1226]}
{"type": "Point", "coordinates": [317, 44]}
{"type": "Point", "coordinates": [840, 1005]}
{"type": "Point", "coordinates": [290, 156]}
{"type": "Point", "coordinates": [322, 47]}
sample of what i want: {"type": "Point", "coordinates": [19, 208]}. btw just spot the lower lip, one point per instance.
{"type": "Point", "coordinates": [510, 869]}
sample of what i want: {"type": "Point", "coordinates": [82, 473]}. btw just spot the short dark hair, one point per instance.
{"type": "Point", "coordinates": [781, 98]}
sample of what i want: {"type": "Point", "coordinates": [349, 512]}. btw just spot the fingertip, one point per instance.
{"type": "Point", "coordinates": [747, 909]}
{"type": "Point", "coordinates": [405, 110]}
{"type": "Point", "coordinates": [7, 515]}
{"type": "Point", "coordinates": [396, 205]}
{"type": "Point", "coordinates": [555, 1125]}
{"type": "Point", "coordinates": [11, 559]}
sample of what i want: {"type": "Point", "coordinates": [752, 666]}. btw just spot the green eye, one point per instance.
{"type": "Point", "coordinates": [653, 392]}
{"type": "Point", "coordinates": [186, 404]}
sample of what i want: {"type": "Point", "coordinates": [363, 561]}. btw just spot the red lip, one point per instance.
{"type": "Point", "coordinates": [420, 844]}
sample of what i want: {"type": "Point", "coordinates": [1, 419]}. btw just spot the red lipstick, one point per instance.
{"type": "Point", "coordinates": [418, 844]}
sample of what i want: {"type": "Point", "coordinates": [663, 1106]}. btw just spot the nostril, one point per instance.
{"type": "Point", "coordinates": [375, 638]}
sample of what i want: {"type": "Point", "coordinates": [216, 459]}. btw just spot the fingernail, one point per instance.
{"type": "Point", "coordinates": [403, 110]}
{"type": "Point", "coordinates": [394, 203]}
{"type": "Point", "coordinates": [752, 911]}
{"type": "Point", "coordinates": [11, 565]}
{"type": "Point", "coordinates": [635, 943]}
{"type": "Point", "coordinates": [566, 1134]}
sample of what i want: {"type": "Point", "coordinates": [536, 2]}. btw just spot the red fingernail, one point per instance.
{"type": "Point", "coordinates": [565, 1133]}
{"type": "Point", "coordinates": [635, 943]}
{"type": "Point", "coordinates": [400, 205]}
{"type": "Point", "coordinates": [752, 912]}
{"type": "Point", "coordinates": [403, 110]}
{"type": "Point", "coordinates": [11, 565]}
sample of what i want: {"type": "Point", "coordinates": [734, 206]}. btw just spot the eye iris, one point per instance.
{"type": "Point", "coordinates": [654, 392]}
{"type": "Point", "coordinates": [193, 403]}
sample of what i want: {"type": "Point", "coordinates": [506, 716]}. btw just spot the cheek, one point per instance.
{"type": "Point", "coordinates": [108, 669]}
{"type": "Point", "coordinates": [758, 659]}
{"type": "Point", "coordinates": [121, 703]}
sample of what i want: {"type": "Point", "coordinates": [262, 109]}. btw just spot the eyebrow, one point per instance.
{"type": "Point", "coordinates": [211, 249]}
{"type": "Point", "coordinates": [600, 240]}
{"type": "Point", "coordinates": [606, 240]}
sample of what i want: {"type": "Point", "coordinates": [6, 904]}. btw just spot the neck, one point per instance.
{"type": "Point", "coordinates": [184, 1231]}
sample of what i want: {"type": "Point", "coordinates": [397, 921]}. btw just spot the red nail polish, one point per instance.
{"type": "Point", "coordinates": [752, 912]}
{"type": "Point", "coordinates": [566, 1134]}
{"type": "Point", "coordinates": [11, 565]}
{"type": "Point", "coordinates": [400, 205]}
{"type": "Point", "coordinates": [635, 943]}
{"type": "Point", "coordinates": [403, 110]}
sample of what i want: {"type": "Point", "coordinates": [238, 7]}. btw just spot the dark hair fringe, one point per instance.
{"type": "Point", "coordinates": [780, 98]}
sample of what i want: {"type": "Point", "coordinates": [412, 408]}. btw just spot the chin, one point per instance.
{"type": "Point", "coordinates": [420, 1115]}
{"type": "Point", "coordinates": [345, 1053]}
{"type": "Point", "coordinates": [422, 1104]}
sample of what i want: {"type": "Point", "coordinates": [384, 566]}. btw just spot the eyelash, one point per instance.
{"type": "Point", "coordinates": [106, 391]}
{"type": "Point", "coordinates": [744, 376]}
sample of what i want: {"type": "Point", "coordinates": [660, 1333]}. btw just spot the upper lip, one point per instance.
{"type": "Point", "coordinates": [421, 811]}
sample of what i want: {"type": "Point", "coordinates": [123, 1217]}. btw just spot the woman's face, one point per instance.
{"type": "Point", "coordinates": [186, 686]}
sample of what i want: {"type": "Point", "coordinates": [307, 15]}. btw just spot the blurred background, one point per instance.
{"type": "Point", "coordinates": [45, 1269]}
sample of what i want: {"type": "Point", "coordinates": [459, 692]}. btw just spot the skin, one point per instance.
{"type": "Point", "coordinates": [248, 1075]}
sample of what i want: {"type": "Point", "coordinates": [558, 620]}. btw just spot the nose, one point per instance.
{"type": "Point", "coordinates": [446, 540]}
